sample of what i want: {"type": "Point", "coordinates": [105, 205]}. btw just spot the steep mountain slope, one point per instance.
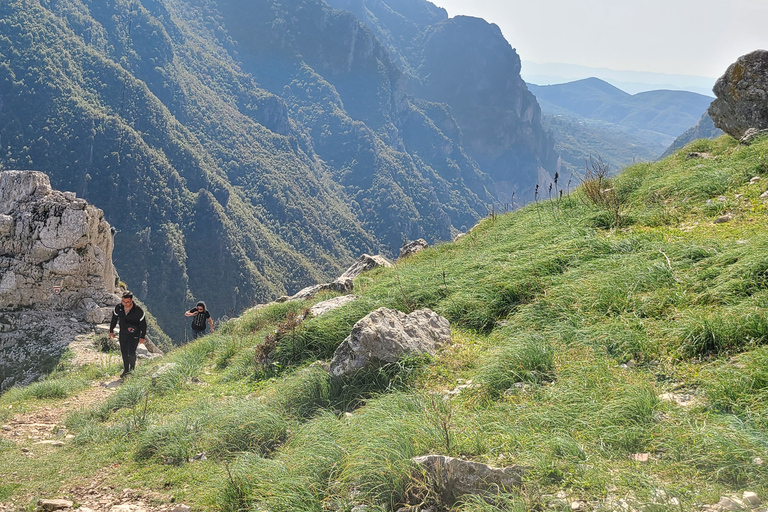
{"type": "Point", "coordinates": [467, 64]}
{"type": "Point", "coordinates": [611, 354]}
{"type": "Point", "coordinates": [222, 187]}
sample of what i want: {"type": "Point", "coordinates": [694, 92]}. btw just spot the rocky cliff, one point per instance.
{"type": "Point", "coordinates": [56, 273]}
{"type": "Point", "coordinates": [468, 65]}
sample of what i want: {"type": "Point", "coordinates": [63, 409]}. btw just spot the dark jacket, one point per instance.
{"type": "Point", "coordinates": [132, 325]}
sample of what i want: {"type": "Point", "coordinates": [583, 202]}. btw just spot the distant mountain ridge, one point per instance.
{"type": "Point", "coordinates": [632, 82]}
{"type": "Point", "coordinates": [666, 112]}
{"type": "Point", "coordinates": [591, 116]}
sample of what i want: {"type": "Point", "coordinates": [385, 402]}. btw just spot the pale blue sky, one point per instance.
{"type": "Point", "coordinates": [687, 37]}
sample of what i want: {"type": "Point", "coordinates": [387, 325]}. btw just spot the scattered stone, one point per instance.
{"type": "Point", "coordinates": [461, 387]}
{"type": "Point", "coordinates": [127, 508]}
{"type": "Point", "coordinates": [731, 504]}
{"type": "Point", "coordinates": [385, 336]}
{"type": "Point", "coordinates": [754, 180]}
{"type": "Point", "coordinates": [641, 457]}
{"type": "Point", "coordinates": [741, 93]}
{"type": "Point", "coordinates": [181, 508]}
{"type": "Point", "coordinates": [751, 499]}
{"type": "Point", "coordinates": [758, 461]}
{"type": "Point", "coordinates": [682, 399]}
{"type": "Point", "coordinates": [724, 218]}
{"type": "Point", "coordinates": [365, 263]}
{"type": "Point", "coordinates": [51, 442]}
{"type": "Point", "coordinates": [57, 504]}
{"type": "Point", "coordinates": [412, 248]}
{"type": "Point", "coordinates": [696, 154]}
{"type": "Point", "coordinates": [453, 478]}
{"type": "Point", "coordinates": [326, 306]}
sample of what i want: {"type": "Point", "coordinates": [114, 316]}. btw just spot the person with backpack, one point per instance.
{"type": "Point", "coordinates": [133, 330]}
{"type": "Point", "coordinates": [200, 314]}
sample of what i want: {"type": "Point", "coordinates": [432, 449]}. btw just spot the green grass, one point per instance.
{"type": "Point", "coordinates": [567, 332]}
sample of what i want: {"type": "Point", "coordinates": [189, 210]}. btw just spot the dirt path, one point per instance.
{"type": "Point", "coordinates": [45, 426]}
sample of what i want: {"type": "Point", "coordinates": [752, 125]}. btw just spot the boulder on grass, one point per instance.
{"type": "Point", "coordinates": [742, 96]}
{"type": "Point", "coordinates": [385, 336]}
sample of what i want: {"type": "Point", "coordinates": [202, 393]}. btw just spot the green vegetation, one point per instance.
{"type": "Point", "coordinates": [613, 363]}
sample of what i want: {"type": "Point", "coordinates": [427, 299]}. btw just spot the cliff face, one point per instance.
{"type": "Point", "coordinates": [467, 64]}
{"type": "Point", "coordinates": [56, 273]}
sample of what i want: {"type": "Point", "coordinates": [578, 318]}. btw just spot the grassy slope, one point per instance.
{"type": "Point", "coordinates": [570, 330]}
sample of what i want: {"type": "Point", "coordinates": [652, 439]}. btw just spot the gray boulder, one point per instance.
{"type": "Point", "coordinates": [365, 263]}
{"type": "Point", "coordinates": [453, 478]}
{"type": "Point", "coordinates": [385, 336]}
{"type": "Point", "coordinates": [742, 95]}
{"type": "Point", "coordinates": [413, 247]}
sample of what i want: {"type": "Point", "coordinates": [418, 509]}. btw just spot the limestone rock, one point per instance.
{"type": "Point", "coordinates": [385, 336]}
{"type": "Point", "coordinates": [365, 263]}
{"type": "Point", "coordinates": [413, 247]}
{"type": "Point", "coordinates": [55, 265]}
{"type": "Point", "coordinates": [742, 95]}
{"type": "Point", "coordinates": [753, 134]}
{"type": "Point", "coordinates": [453, 478]}
{"type": "Point", "coordinates": [343, 285]}
{"type": "Point", "coordinates": [54, 504]}
{"type": "Point", "coordinates": [329, 305]}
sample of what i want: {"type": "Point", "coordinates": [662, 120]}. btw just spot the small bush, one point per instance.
{"type": "Point", "coordinates": [104, 343]}
{"type": "Point", "coordinates": [246, 426]}
{"type": "Point", "coordinates": [529, 360]}
{"type": "Point", "coordinates": [600, 191]}
{"type": "Point", "coordinates": [168, 444]}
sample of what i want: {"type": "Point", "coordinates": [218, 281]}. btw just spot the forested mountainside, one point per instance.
{"type": "Point", "coordinates": [242, 149]}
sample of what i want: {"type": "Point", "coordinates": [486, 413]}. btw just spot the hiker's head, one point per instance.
{"type": "Point", "coordinates": [127, 298]}
{"type": "Point", "coordinates": [201, 306]}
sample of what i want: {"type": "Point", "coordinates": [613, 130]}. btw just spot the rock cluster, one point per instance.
{"type": "Point", "coordinates": [56, 273]}
{"type": "Point", "coordinates": [343, 283]}
{"type": "Point", "coordinates": [413, 247]}
{"type": "Point", "coordinates": [742, 96]}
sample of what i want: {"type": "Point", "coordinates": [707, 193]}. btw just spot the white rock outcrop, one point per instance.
{"type": "Point", "coordinates": [56, 273]}
{"type": "Point", "coordinates": [55, 249]}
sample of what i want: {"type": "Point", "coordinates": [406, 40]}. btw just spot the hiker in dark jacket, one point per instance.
{"type": "Point", "coordinates": [133, 330]}
{"type": "Point", "coordinates": [200, 314]}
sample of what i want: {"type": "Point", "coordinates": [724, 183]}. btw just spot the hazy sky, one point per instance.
{"type": "Point", "coordinates": [688, 37]}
